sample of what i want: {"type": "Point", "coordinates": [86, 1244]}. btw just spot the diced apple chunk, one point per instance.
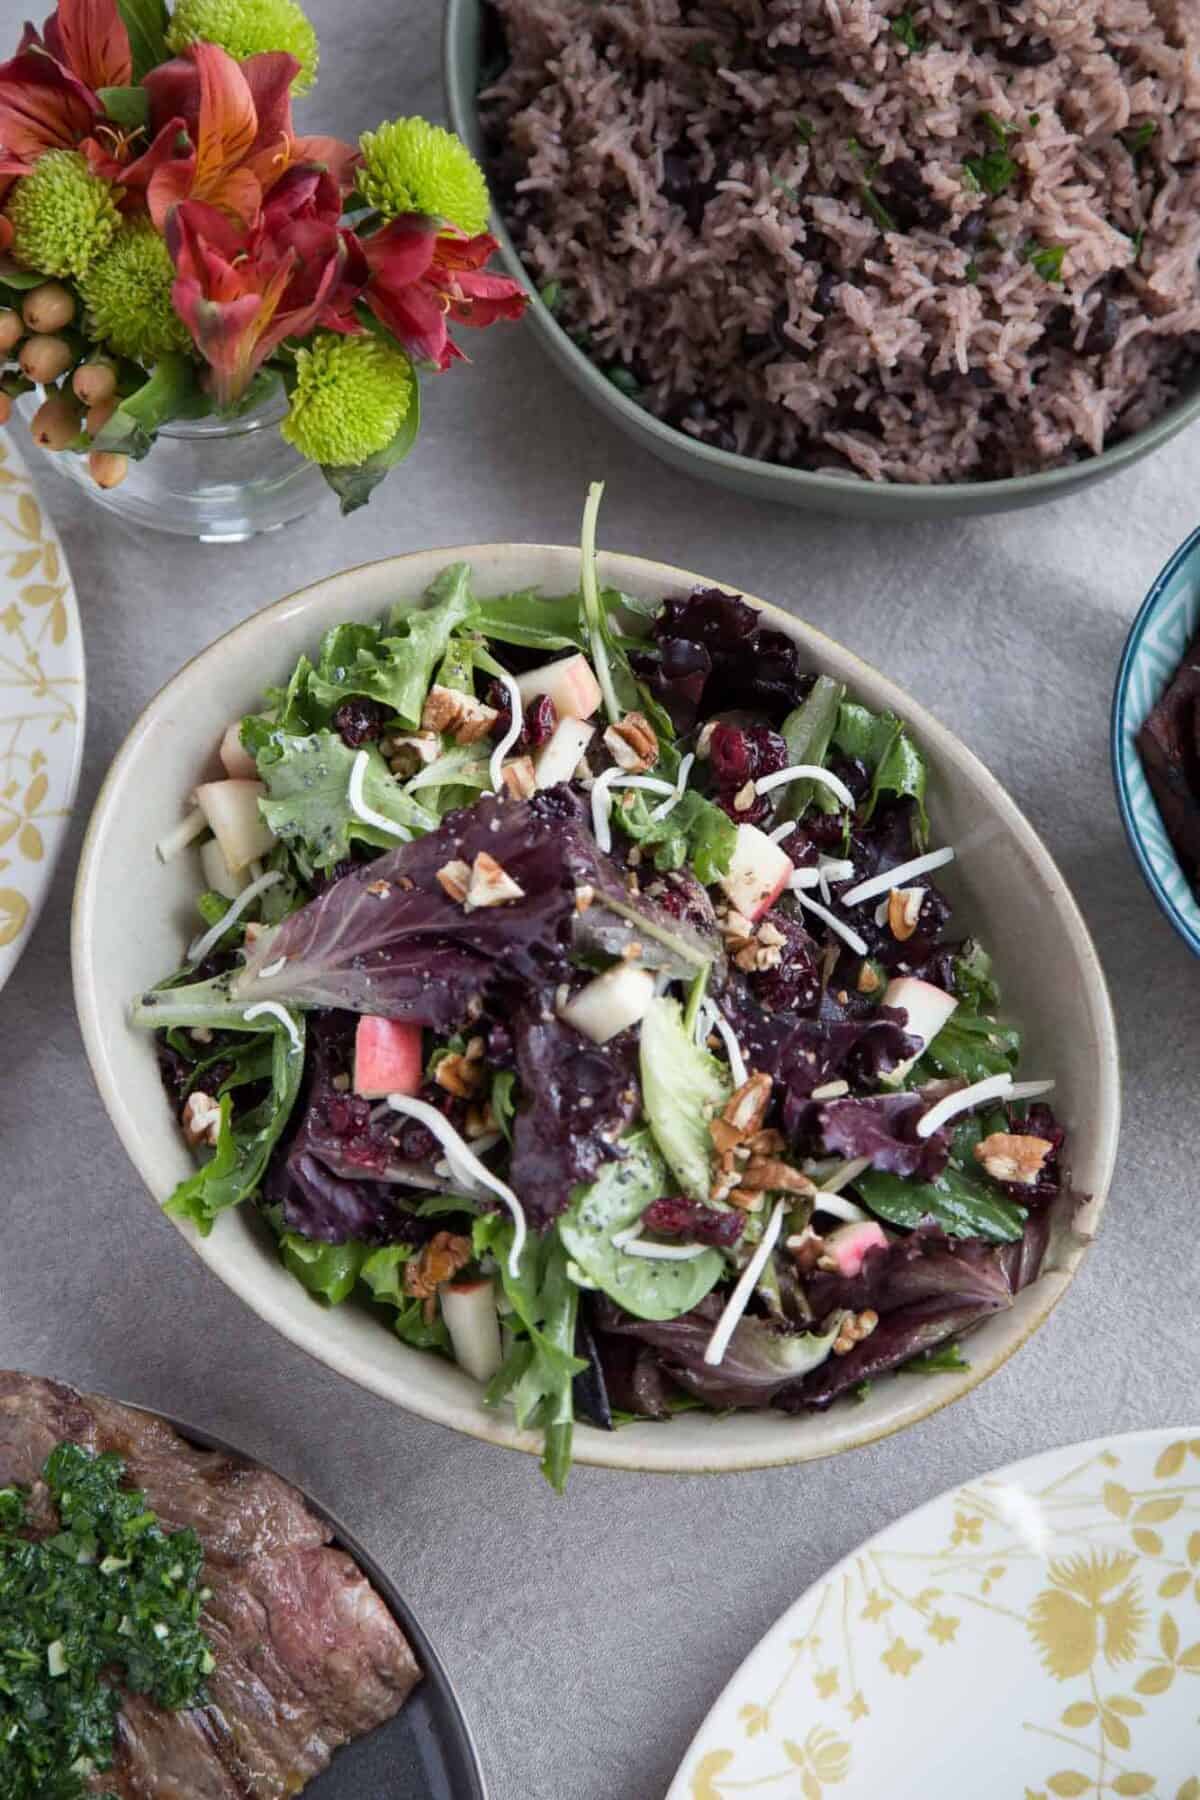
{"type": "Point", "coordinates": [849, 1244]}
{"type": "Point", "coordinates": [387, 1057]}
{"type": "Point", "coordinates": [469, 1309]}
{"type": "Point", "coordinates": [559, 756]}
{"type": "Point", "coordinates": [217, 874]}
{"type": "Point", "coordinates": [758, 873]}
{"type": "Point", "coordinates": [927, 1009]}
{"type": "Point", "coordinates": [231, 808]}
{"type": "Point", "coordinates": [236, 760]}
{"type": "Point", "coordinates": [610, 1002]}
{"type": "Point", "coordinates": [570, 684]}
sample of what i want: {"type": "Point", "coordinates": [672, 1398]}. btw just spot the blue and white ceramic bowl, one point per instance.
{"type": "Point", "coordinates": [1162, 631]}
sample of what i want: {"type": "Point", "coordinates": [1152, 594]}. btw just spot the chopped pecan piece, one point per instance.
{"type": "Point", "coordinates": [519, 778]}
{"type": "Point", "coordinates": [853, 1329]}
{"type": "Point", "coordinates": [460, 1076]}
{"type": "Point", "coordinates": [490, 884]}
{"type": "Point", "coordinates": [201, 1119]}
{"type": "Point", "coordinates": [1010, 1156]}
{"type": "Point", "coordinates": [742, 1115]}
{"type": "Point", "coordinates": [903, 910]}
{"type": "Point", "coordinates": [461, 715]}
{"type": "Point", "coordinates": [440, 1260]}
{"type": "Point", "coordinates": [776, 1176]}
{"type": "Point", "coordinates": [632, 743]}
{"type": "Point", "coordinates": [454, 878]}
{"type": "Point", "coordinates": [868, 979]}
{"type": "Point", "coordinates": [415, 750]}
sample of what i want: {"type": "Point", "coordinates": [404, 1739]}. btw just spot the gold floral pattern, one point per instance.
{"type": "Point", "coordinates": [1077, 1587]}
{"type": "Point", "coordinates": [41, 704]}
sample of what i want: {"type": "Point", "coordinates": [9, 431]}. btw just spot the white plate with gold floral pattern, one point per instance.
{"type": "Point", "coordinates": [1034, 1634]}
{"type": "Point", "coordinates": [41, 704]}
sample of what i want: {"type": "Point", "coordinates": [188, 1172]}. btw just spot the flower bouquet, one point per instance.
{"type": "Point", "coordinates": [169, 244]}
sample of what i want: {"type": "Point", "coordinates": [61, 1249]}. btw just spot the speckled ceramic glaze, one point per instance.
{"type": "Point", "coordinates": [1165, 626]}
{"type": "Point", "coordinates": [1034, 1633]}
{"type": "Point", "coordinates": [743, 474]}
{"type": "Point", "coordinates": [1004, 886]}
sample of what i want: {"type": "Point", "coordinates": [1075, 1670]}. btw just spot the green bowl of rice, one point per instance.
{"type": "Point", "coordinates": [898, 264]}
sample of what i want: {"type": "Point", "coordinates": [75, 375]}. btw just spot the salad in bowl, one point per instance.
{"type": "Point", "coordinates": [573, 985]}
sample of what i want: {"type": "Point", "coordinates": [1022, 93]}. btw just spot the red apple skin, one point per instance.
{"type": "Point", "coordinates": [387, 1057]}
{"type": "Point", "coordinates": [849, 1244]}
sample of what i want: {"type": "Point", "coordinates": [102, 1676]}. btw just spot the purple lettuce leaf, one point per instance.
{"type": "Point", "coordinates": [752, 665]}
{"type": "Point", "coordinates": [676, 678]}
{"type": "Point", "coordinates": [897, 1339]}
{"type": "Point", "coordinates": [883, 1128]}
{"type": "Point", "coordinates": [576, 1098]}
{"type": "Point", "coordinates": [386, 938]}
{"type": "Point", "coordinates": [762, 1360]}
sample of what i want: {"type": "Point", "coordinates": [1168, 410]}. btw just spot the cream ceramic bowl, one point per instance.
{"type": "Point", "coordinates": [1006, 886]}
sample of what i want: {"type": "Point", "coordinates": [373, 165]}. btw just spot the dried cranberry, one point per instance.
{"type": "Point", "coordinates": [415, 1143]}
{"type": "Point", "coordinates": [347, 1115]}
{"type": "Point", "coordinates": [539, 719]}
{"type": "Point", "coordinates": [677, 1216]}
{"type": "Point", "coordinates": [794, 984]}
{"type": "Point", "coordinates": [742, 754]}
{"type": "Point", "coordinates": [359, 721]}
{"type": "Point", "coordinates": [500, 1050]}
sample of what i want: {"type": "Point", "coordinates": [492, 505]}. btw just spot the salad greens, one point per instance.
{"type": "Point", "coordinates": [108, 1601]}
{"type": "Point", "coordinates": [479, 1053]}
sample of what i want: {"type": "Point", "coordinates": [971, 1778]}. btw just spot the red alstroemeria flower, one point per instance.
{"type": "Point", "coordinates": [420, 279]}
{"type": "Point", "coordinates": [48, 98]}
{"type": "Point", "coordinates": [222, 133]}
{"type": "Point", "coordinates": [242, 292]}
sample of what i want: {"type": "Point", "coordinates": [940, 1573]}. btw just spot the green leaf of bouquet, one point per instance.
{"type": "Point", "coordinates": [354, 486]}
{"type": "Point", "coordinates": [146, 23]}
{"type": "Point", "coordinates": [172, 392]}
{"type": "Point", "coordinates": [127, 106]}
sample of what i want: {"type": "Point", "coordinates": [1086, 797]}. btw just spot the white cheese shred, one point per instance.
{"type": "Point", "coordinates": [805, 878]}
{"type": "Point", "coordinates": [602, 799]}
{"type": "Point", "coordinates": [362, 810]}
{"type": "Point", "coordinates": [806, 772]}
{"type": "Point", "coordinates": [845, 932]}
{"type": "Point", "coordinates": [199, 948]}
{"type": "Point", "coordinates": [828, 1198]}
{"type": "Point", "coordinates": [516, 725]}
{"type": "Point", "coordinates": [995, 1087]}
{"type": "Point", "coordinates": [170, 846]}
{"type": "Point", "coordinates": [883, 884]}
{"type": "Point", "coordinates": [273, 968]}
{"type": "Point", "coordinates": [628, 1242]}
{"type": "Point", "coordinates": [782, 831]}
{"type": "Point", "coordinates": [733, 1050]}
{"type": "Point", "coordinates": [681, 781]}
{"type": "Point", "coordinates": [738, 1301]}
{"type": "Point", "coordinates": [465, 1166]}
{"type": "Point", "coordinates": [1030, 1090]}
{"type": "Point", "coordinates": [275, 1010]}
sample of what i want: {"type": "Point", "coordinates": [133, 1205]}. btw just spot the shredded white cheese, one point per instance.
{"type": "Point", "coordinates": [883, 884]}
{"type": "Point", "coordinates": [733, 1050]}
{"type": "Point", "coordinates": [602, 799]}
{"type": "Point", "coordinates": [829, 1200]}
{"type": "Point", "coordinates": [169, 847]}
{"type": "Point", "coordinates": [466, 1166]}
{"type": "Point", "coordinates": [681, 781]}
{"type": "Point", "coordinates": [782, 831]}
{"type": "Point", "coordinates": [806, 772]}
{"type": "Point", "coordinates": [805, 878]}
{"type": "Point", "coordinates": [738, 1301]}
{"type": "Point", "coordinates": [516, 725]}
{"type": "Point", "coordinates": [360, 807]}
{"type": "Point", "coordinates": [276, 1011]}
{"type": "Point", "coordinates": [847, 935]}
{"type": "Point", "coordinates": [273, 968]}
{"type": "Point", "coordinates": [199, 948]}
{"type": "Point", "coordinates": [1030, 1090]}
{"type": "Point", "coordinates": [995, 1087]}
{"type": "Point", "coordinates": [628, 1241]}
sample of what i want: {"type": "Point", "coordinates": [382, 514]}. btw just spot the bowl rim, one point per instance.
{"type": "Point", "coordinates": [598, 1448]}
{"type": "Point", "coordinates": [1120, 728]}
{"type": "Point", "coordinates": [934, 497]}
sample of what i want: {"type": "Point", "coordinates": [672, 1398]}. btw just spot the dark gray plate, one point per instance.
{"type": "Point", "coordinates": [426, 1752]}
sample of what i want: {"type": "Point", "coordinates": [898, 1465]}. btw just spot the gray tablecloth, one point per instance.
{"type": "Point", "coordinates": [589, 1635]}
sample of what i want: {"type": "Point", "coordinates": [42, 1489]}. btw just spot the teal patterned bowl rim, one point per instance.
{"type": "Point", "coordinates": [1165, 625]}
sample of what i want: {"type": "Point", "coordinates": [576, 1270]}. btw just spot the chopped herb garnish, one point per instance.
{"type": "Point", "coordinates": [971, 272]}
{"type": "Point", "coordinates": [1138, 137]}
{"type": "Point", "coordinates": [702, 55]}
{"type": "Point", "coordinates": [992, 173]}
{"type": "Point", "coordinates": [999, 130]}
{"type": "Point", "coordinates": [1047, 259]}
{"type": "Point", "coordinates": [784, 187]}
{"type": "Point", "coordinates": [625, 381]}
{"type": "Point", "coordinates": [551, 295]}
{"type": "Point", "coordinates": [876, 208]}
{"type": "Point", "coordinates": [110, 1601]}
{"type": "Point", "coordinates": [948, 1360]}
{"type": "Point", "coordinates": [1035, 120]}
{"type": "Point", "coordinates": [805, 129]}
{"type": "Point", "coordinates": [905, 28]}
{"type": "Point", "coordinates": [1139, 238]}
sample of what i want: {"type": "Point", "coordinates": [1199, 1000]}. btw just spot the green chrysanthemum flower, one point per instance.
{"type": "Point", "coordinates": [412, 166]}
{"type": "Point", "coordinates": [62, 215]}
{"type": "Point", "coordinates": [352, 395]}
{"type": "Point", "coordinates": [247, 27]}
{"type": "Point", "coordinates": [127, 292]}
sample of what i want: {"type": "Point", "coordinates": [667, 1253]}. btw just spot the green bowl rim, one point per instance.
{"type": "Point", "coordinates": [460, 101]}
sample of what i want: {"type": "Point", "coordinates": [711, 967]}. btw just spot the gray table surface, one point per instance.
{"type": "Point", "coordinates": [589, 1635]}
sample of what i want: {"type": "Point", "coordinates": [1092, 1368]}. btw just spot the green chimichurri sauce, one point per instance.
{"type": "Point", "coordinates": [112, 1601]}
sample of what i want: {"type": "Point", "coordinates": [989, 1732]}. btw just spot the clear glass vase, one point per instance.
{"type": "Point", "coordinates": [221, 480]}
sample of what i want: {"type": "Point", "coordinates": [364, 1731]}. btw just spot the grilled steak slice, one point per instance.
{"type": "Point", "coordinates": [307, 1655]}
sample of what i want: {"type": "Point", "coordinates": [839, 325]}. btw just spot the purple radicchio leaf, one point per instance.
{"type": "Point", "coordinates": [752, 665]}
{"type": "Point", "coordinates": [387, 939]}
{"type": "Point", "coordinates": [576, 1098]}
{"type": "Point", "coordinates": [883, 1128]}
{"type": "Point", "coordinates": [761, 1361]}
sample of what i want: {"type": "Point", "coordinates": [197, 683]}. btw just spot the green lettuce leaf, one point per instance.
{"type": "Point", "coordinates": [971, 1046]}
{"type": "Point", "coordinates": [694, 832]}
{"type": "Point", "coordinates": [681, 1087]}
{"type": "Point", "coordinates": [808, 733]}
{"type": "Point", "coordinates": [882, 742]}
{"type": "Point", "coordinates": [957, 1201]}
{"type": "Point", "coordinates": [307, 802]}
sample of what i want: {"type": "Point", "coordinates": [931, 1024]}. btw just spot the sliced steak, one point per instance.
{"type": "Point", "coordinates": [308, 1657]}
